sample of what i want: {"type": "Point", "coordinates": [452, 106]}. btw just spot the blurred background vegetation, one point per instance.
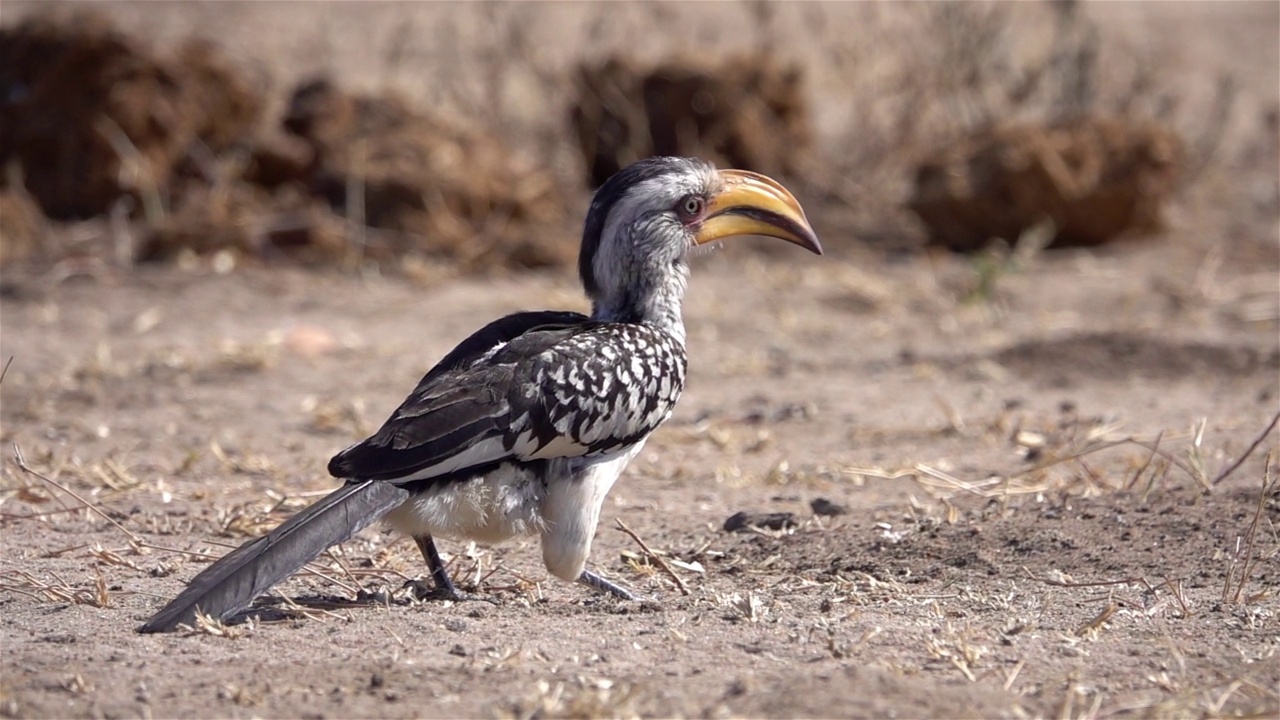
{"type": "Point", "coordinates": [466, 137]}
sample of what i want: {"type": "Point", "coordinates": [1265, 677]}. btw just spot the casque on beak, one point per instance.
{"type": "Point", "coordinates": [752, 204]}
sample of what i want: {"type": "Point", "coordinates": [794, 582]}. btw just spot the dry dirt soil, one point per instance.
{"type": "Point", "coordinates": [975, 570]}
{"type": "Point", "coordinates": [986, 489]}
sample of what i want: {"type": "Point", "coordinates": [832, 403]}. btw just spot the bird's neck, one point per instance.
{"type": "Point", "coordinates": [653, 300]}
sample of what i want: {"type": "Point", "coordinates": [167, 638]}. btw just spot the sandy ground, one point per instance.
{"type": "Point", "coordinates": [1021, 472]}
{"type": "Point", "coordinates": [964, 578]}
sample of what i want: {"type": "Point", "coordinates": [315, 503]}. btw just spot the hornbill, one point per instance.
{"type": "Point", "coordinates": [524, 427]}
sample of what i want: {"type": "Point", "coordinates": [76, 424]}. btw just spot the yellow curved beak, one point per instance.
{"type": "Point", "coordinates": [752, 204]}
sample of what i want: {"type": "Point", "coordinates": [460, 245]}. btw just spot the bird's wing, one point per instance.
{"type": "Point", "coordinates": [548, 392]}
{"type": "Point", "coordinates": [495, 334]}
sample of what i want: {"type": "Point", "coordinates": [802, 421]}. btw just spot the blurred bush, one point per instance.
{"type": "Point", "coordinates": [91, 117]}
{"type": "Point", "coordinates": [22, 225]}
{"type": "Point", "coordinates": [95, 125]}
{"type": "Point", "coordinates": [1095, 178]}
{"type": "Point", "coordinates": [747, 111]}
{"type": "Point", "coordinates": [900, 125]}
{"type": "Point", "coordinates": [447, 191]}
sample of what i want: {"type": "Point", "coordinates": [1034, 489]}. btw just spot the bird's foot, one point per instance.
{"type": "Point", "coordinates": [593, 580]}
{"type": "Point", "coordinates": [423, 591]}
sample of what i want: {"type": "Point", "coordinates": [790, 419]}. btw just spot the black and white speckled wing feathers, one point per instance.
{"type": "Point", "coordinates": [476, 347]}
{"type": "Point", "coordinates": [552, 391]}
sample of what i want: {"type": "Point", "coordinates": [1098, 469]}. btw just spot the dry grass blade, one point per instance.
{"type": "Point", "coordinates": [5, 371]}
{"type": "Point", "coordinates": [1180, 595]}
{"type": "Point", "coordinates": [1155, 446]}
{"type": "Point", "coordinates": [980, 489]}
{"type": "Point", "coordinates": [22, 465]}
{"type": "Point", "coordinates": [684, 590]}
{"type": "Point", "coordinates": [1275, 419]}
{"type": "Point", "coordinates": [1032, 480]}
{"type": "Point", "coordinates": [1013, 674]}
{"type": "Point", "coordinates": [111, 557]}
{"type": "Point", "coordinates": [310, 611]}
{"type": "Point", "coordinates": [1233, 588]}
{"type": "Point", "coordinates": [209, 625]}
{"type": "Point", "coordinates": [35, 516]}
{"type": "Point", "coordinates": [342, 567]}
{"type": "Point", "coordinates": [1072, 584]}
{"type": "Point", "coordinates": [1196, 456]}
{"type": "Point", "coordinates": [1096, 622]}
{"type": "Point", "coordinates": [101, 598]}
{"type": "Point", "coordinates": [60, 590]}
{"type": "Point", "coordinates": [1099, 447]}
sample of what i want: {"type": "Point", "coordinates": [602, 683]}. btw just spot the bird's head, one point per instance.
{"type": "Point", "coordinates": [645, 219]}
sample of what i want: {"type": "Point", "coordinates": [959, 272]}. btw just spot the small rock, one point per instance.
{"type": "Point", "coordinates": [772, 521]}
{"type": "Point", "coordinates": [823, 506]}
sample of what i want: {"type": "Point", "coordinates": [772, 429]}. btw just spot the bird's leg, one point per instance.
{"type": "Point", "coordinates": [593, 580]}
{"type": "Point", "coordinates": [444, 588]}
{"type": "Point", "coordinates": [439, 575]}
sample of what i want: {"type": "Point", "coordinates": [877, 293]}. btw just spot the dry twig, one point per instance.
{"type": "Point", "coordinates": [22, 465]}
{"type": "Point", "coordinates": [1152, 456]}
{"type": "Point", "coordinates": [684, 590]}
{"type": "Point", "coordinates": [1240, 461]}
{"type": "Point", "coordinates": [1072, 584]}
{"type": "Point", "coordinates": [1250, 536]}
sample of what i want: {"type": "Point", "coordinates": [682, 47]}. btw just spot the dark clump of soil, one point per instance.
{"type": "Point", "coordinates": [437, 189]}
{"type": "Point", "coordinates": [92, 116]}
{"type": "Point", "coordinates": [22, 226]}
{"type": "Point", "coordinates": [1095, 178]}
{"type": "Point", "coordinates": [96, 125]}
{"type": "Point", "coordinates": [747, 112]}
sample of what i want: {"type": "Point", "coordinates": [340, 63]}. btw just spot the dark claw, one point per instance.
{"type": "Point", "coordinates": [423, 591]}
{"type": "Point", "coordinates": [443, 588]}
{"type": "Point", "coordinates": [593, 580]}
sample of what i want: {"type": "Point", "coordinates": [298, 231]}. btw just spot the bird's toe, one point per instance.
{"type": "Point", "coordinates": [424, 591]}
{"type": "Point", "coordinates": [605, 585]}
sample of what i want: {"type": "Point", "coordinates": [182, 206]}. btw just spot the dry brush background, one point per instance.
{"type": "Point", "coordinates": [1003, 452]}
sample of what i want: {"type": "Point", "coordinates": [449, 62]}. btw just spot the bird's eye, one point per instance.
{"type": "Point", "coordinates": [690, 207]}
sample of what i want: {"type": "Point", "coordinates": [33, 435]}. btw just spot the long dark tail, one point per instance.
{"type": "Point", "coordinates": [231, 583]}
